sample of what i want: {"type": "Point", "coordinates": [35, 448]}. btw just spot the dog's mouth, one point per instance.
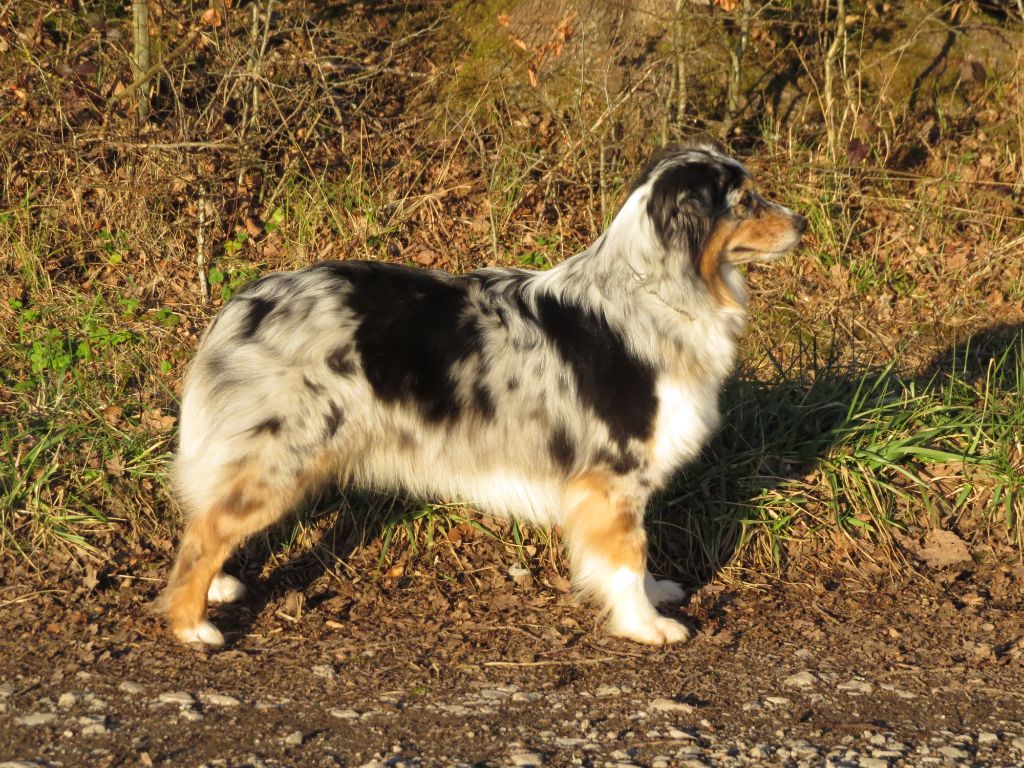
{"type": "Point", "coordinates": [768, 246]}
{"type": "Point", "coordinates": [748, 255]}
{"type": "Point", "coordinates": [745, 255]}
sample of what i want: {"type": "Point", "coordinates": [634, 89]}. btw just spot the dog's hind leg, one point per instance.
{"type": "Point", "coordinates": [608, 553]}
{"type": "Point", "coordinates": [246, 504]}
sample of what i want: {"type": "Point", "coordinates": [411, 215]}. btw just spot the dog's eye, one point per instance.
{"type": "Point", "coordinates": [745, 199]}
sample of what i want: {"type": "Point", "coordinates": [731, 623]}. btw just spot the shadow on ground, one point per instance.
{"type": "Point", "coordinates": [813, 418]}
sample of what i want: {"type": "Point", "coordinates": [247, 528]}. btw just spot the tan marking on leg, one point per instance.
{"type": "Point", "coordinates": [247, 505]}
{"type": "Point", "coordinates": [602, 525]}
{"type": "Point", "coordinates": [608, 549]}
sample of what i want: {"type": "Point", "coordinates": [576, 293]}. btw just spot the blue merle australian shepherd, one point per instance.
{"type": "Point", "coordinates": [562, 397]}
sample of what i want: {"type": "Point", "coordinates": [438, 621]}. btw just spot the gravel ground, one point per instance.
{"type": "Point", "coordinates": [847, 675]}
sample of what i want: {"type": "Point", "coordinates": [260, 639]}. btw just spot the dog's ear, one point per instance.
{"type": "Point", "coordinates": [682, 205]}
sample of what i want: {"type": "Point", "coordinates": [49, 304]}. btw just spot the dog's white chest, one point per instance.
{"type": "Point", "coordinates": [686, 415]}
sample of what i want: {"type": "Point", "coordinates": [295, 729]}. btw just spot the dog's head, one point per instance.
{"type": "Point", "coordinates": [701, 207]}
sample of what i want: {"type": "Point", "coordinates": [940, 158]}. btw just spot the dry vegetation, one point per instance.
{"type": "Point", "coordinates": [879, 398]}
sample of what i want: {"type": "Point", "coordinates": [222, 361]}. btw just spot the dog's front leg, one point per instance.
{"type": "Point", "coordinates": [608, 553]}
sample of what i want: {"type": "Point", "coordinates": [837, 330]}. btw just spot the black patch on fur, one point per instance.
{"type": "Point", "coordinates": [620, 462]}
{"type": "Point", "coordinates": [271, 426]}
{"type": "Point", "coordinates": [415, 327]}
{"type": "Point", "coordinates": [340, 361]}
{"type": "Point", "coordinates": [618, 386]}
{"type": "Point", "coordinates": [562, 451]}
{"type": "Point", "coordinates": [259, 308]}
{"type": "Point", "coordinates": [483, 401]}
{"type": "Point", "coordinates": [312, 386]}
{"type": "Point", "coordinates": [512, 383]}
{"type": "Point", "coordinates": [334, 419]}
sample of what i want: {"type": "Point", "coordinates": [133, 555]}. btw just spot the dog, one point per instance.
{"type": "Point", "coordinates": [567, 396]}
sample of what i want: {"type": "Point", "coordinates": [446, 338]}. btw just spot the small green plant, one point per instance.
{"type": "Point", "coordinates": [228, 283]}
{"type": "Point", "coordinates": [235, 244]}
{"type": "Point", "coordinates": [114, 244]}
{"type": "Point", "coordinates": [274, 221]}
{"type": "Point", "coordinates": [166, 317]}
{"type": "Point", "coordinates": [538, 257]}
{"type": "Point", "coordinates": [54, 350]}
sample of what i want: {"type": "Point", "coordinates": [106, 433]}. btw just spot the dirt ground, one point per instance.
{"type": "Point", "coordinates": [485, 670]}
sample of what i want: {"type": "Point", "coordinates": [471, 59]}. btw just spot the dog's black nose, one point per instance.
{"type": "Point", "coordinates": [800, 222]}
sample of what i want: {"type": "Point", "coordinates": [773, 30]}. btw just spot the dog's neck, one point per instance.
{"type": "Point", "coordinates": [613, 270]}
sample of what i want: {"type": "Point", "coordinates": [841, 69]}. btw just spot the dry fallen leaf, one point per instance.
{"type": "Point", "coordinates": [944, 548]}
{"type": "Point", "coordinates": [156, 419]}
{"type": "Point", "coordinates": [211, 18]}
{"type": "Point", "coordinates": [112, 414]}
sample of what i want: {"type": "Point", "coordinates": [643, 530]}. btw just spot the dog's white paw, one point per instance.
{"type": "Point", "coordinates": [664, 591]}
{"type": "Point", "coordinates": [204, 632]}
{"type": "Point", "coordinates": [657, 631]}
{"type": "Point", "coordinates": [225, 589]}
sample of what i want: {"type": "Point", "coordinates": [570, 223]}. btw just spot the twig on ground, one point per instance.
{"type": "Point", "coordinates": [204, 285]}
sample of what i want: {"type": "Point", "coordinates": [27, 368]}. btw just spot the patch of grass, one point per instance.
{"type": "Point", "coordinates": [85, 441]}
{"type": "Point", "coordinates": [820, 449]}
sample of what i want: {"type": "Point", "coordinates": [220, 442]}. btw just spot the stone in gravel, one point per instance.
{"type": "Point", "coordinates": [219, 700]}
{"type": "Point", "coordinates": [778, 701]}
{"type": "Point", "coordinates": [94, 729]}
{"type": "Point", "coordinates": [607, 690]}
{"type": "Point", "coordinates": [526, 759]}
{"type": "Point", "coordinates": [326, 671]}
{"type": "Point", "coordinates": [524, 696]}
{"type": "Point", "coordinates": [899, 692]}
{"type": "Point", "coordinates": [954, 753]}
{"type": "Point", "coordinates": [180, 698]}
{"type": "Point", "coordinates": [190, 714]}
{"type": "Point", "coordinates": [493, 694]}
{"type": "Point", "coordinates": [1018, 743]}
{"type": "Point", "coordinates": [987, 737]}
{"type": "Point", "coordinates": [128, 686]}
{"type": "Point", "coordinates": [345, 714]}
{"type": "Point", "coordinates": [873, 762]}
{"type": "Point", "coordinates": [802, 679]}
{"type": "Point", "coordinates": [19, 764]}
{"type": "Point", "coordinates": [95, 704]}
{"type": "Point", "coordinates": [294, 738]}
{"type": "Point", "coordinates": [374, 764]}
{"type": "Point", "coordinates": [569, 741]}
{"type": "Point", "coordinates": [661, 761]}
{"type": "Point", "coordinates": [37, 718]}
{"type": "Point", "coordinates": [675, 733]}
{"type": "Point", "coordinates": [887, 754]}
{"type": "Point", "coordinates": [856, 686]}
{"type": "Point", "coordinates": [670, 705]}
{"type": "Point", "coordinates": [67, 700]}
